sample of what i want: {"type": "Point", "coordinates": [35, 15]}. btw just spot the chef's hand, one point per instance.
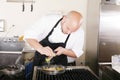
{"type": "Point", "coordinates": [46, 51]}
{"type": "Point", "coordinates": [59, 50]}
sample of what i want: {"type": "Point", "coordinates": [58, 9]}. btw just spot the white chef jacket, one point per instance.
{"type": "Point", "coordinates": [41, 28]}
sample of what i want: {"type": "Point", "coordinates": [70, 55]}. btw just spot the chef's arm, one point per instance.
{"type": "Point", "coordinates": [34, 43]}
{"type": "Point", "coordinates": [68, 52]}
{"type": "Point", "coordinates": [37, 46]}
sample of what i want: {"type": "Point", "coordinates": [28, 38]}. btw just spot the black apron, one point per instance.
{"type": "Point", "coordinates": [39, 59]}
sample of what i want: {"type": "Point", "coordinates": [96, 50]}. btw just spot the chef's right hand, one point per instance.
{"type": "Point", "coordinates": [46, 51]}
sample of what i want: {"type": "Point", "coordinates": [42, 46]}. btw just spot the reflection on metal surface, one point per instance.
{"type": "Point", "coordinates": [109, 32]}
{"type": "Point", "coordinates": [8, 58]}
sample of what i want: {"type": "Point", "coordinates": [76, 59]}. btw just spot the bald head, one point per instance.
{"type": "Point", "coordinates": [71, 22]}
{"type": "Point", "coordinates": [75, 17]}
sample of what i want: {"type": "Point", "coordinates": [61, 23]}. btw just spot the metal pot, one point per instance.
{"type": "Point", "coordinates": [53, 69]}
{"type": "Point", "coordinates": [12, 69]}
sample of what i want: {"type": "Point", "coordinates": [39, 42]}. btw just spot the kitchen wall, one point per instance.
{"type": "Point", "coordinates": [17, 21]}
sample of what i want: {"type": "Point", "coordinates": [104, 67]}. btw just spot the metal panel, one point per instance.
{"type": "Point", "coordinates": [109, 33]}
{"type": "Point", "coordinates": [9, 58]}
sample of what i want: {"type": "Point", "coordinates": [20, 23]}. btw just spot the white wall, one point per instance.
{"type": "Point", "coordinates": [12, 13]}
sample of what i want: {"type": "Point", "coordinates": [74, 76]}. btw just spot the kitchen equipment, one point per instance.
{"type": "Point", "coordinates": [108, 73]}
{"type": "Point", "coordinates": [115, 60]}
{"type": "Point", "coordinates": [109, 40]}
{"type": "Point", "coordinates": [53, 69]}
{"type": "Point", "coordinates": [12, 69]}
{"type": "Point", "coordinates": [11, 44]}
{"type": "Point", "coordinates": [11, 73]}
{"type": "Point", "coordinates": [109, 32]}
{"type": "Point", "coordinates": [71, 73]}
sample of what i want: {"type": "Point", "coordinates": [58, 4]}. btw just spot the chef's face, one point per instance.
{"type": "Point", "coordinates": [68, 26]}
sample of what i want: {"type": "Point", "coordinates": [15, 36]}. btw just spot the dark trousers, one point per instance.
{"type": "Point", "coordinates": [29, 71]}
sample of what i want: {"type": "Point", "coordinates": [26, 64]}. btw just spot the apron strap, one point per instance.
{"type": "Point", "coordinates": [53, 28]}
{"type": "Point", "coordinates": [67, 39]}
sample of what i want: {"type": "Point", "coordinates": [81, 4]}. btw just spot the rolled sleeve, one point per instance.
{"type": "Point", "coordinates": [76, 43]}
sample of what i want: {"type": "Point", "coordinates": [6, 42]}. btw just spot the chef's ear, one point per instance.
{"type": "Point", "coordinates": [64, 18]}
{"type": "Point", "coordinates": [81, 21]}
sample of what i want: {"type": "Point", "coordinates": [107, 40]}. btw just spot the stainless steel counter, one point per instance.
{"type": "Point", "coordinates": [12, 52]}
{"type": "Point", "coordinates": [106, 72]}
{"type": "Point", "coordinates": [9, 57]}
{"type": "Point", "coordinates": [12, 55]}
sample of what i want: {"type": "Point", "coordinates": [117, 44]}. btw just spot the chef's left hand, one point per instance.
{"type": "Point", "coordinates": [59, 50]}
